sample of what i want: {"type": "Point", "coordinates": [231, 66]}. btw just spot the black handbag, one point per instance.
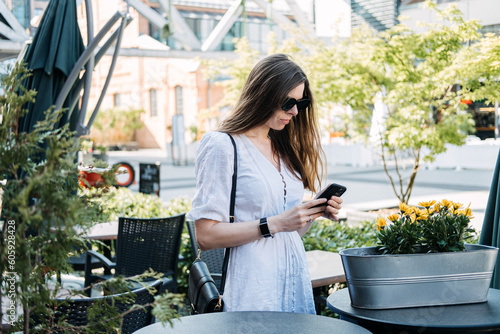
{"type": "Point", "coordinates": [202, 291]}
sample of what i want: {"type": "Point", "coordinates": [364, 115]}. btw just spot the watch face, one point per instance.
{"type": "Point", "coordinates": [264, 228]}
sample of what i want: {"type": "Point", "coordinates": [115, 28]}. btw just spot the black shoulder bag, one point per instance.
{"type": "Point", "coordinates": [202, 291]}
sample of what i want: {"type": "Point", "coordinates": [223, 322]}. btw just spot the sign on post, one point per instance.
{"type": "Point", "coordinates": [149, 178]}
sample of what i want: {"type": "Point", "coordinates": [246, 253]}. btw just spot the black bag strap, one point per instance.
{"type": "Point", "coordinates": [231, 217]}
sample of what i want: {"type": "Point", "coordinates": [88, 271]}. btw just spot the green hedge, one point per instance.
{"type": "Point", "coordinates": [334, 236]}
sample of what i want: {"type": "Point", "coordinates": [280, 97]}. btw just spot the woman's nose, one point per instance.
{"type": "Point", "coordinates": [294, 111]}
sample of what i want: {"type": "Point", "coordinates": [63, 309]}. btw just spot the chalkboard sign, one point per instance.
{"type": "Point", "coordinates": [149, 178]}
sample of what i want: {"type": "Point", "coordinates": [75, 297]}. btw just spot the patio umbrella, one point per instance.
{"type": "Point", "coordinates": [55, 49]}
{"type": "Point", "coordinates": [490, 231]}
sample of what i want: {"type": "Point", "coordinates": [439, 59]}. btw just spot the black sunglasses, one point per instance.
{"type": "Point", "coordinates": [290, 102]}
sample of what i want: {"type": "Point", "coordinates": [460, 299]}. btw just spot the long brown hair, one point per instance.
{"type": "Point", "coordinates": [265, 90]}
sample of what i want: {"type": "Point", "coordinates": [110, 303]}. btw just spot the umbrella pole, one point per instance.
{"type": "Point", "coordinates": [89, 67]}
{"type": "Point", "coordinates": [98, 56]}
{"type": "Point", "coordinates": [108, 79]}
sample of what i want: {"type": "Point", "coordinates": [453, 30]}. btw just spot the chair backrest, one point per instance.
{"type": "Point", "coordinates": [149, 243]}
{"type": "Point", "coordinates": [75, 311]}
{"type": "Point", "coordinates": [213, 258]}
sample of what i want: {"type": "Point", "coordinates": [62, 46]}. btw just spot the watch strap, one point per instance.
{"type": "Point", "coordinates": [264, 228]}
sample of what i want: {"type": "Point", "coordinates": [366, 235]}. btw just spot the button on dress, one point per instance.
{"type": "Point", "coordinates": [270, 274]}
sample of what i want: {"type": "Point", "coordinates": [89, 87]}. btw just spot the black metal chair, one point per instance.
{"type": "Point", "coordinates": [75, 311]}
{"type": "Point", "coordinates": [213, 258]}
{"type": "Point", "coordinates": [143, 244]}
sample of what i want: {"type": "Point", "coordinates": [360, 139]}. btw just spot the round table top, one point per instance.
{"type": "Point", "coordinates": [254, 322]}
{"type": "Point", "coordinates": [478, 315]}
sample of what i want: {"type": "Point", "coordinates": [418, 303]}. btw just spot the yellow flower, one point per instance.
{"type": "Point", "coordinates": [381, 223]}
{"type": "Point", "coordinates": [393, 217]}
{"type": "Point", "coordinates": [466, 212]}
{"type": "Point", "coordinates": [413, 225]}
{"type": "Point", "coordinates": [422, 217]}
{"type": "Point", "coordinates": [421, 214]}
{"type": "Point", "coordinates": [419, 211]}
{"type": "Point", "coordinates": [446, 203]}
{"type": "Point", "coordinates": [437, 207]}
{"type": "Point", "coordinates": [427, 204]}
{"type": "Point", "coordinates": [406, 209]}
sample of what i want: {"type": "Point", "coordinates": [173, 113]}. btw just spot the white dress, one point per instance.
{"type": "Point", "coordinates": [270, 274]}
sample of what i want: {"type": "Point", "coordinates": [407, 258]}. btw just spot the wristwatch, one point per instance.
{"type": "Point", "coordinates": [264, 228]}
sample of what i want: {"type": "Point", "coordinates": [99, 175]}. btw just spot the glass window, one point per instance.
{"type": "Point", "coordinates": [179, 100]}
{"type": "Point", "coordinates": [152, 102]}
{"type": "Point", "coordinates": [195, 25]}
{"type": "Point", "coordinates": [227, 43]}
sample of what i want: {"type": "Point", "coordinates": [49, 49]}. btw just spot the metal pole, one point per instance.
{"type": "Point", "coordinates": [89, 67]}
{"type": "Point", "coordinates": [108, 79]}
{"type": "Point", "coordinates": [79, 86]}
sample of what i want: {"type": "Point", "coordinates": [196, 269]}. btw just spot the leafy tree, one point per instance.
{"type": "Point", "coordinates": [422, 75]}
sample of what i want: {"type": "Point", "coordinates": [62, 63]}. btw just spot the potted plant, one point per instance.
{"type": "Point", "coordinates": [421, 260]}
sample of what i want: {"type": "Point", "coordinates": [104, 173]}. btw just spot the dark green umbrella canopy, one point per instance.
{"type": "Point", "coordinates": [490, 231]}
{"type": "Point", "coordinates": [55, 49]}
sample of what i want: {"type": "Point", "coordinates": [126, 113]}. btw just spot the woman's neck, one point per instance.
{"type": "Point", "coordinates": [260, 133]}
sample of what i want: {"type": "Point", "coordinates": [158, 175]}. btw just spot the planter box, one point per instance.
{"type": "Point", "coordinates": [378, 281]}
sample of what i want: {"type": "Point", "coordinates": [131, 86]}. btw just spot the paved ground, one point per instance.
{"type": "Point", "coordinates": [368, 187]}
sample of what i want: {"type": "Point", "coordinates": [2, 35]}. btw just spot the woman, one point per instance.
{"type": "Point", "coordinates": [278, 156]}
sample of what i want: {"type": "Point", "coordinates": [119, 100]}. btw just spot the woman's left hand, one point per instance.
{"type": "Point", "coordinates": [333, 208]}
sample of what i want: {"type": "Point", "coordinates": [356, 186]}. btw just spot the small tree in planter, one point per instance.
{"type": "Point", "coordinates": [40, 207]}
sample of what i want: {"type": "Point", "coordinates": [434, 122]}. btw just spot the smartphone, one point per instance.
{"type": "Point", "coordinates": [333, 189]}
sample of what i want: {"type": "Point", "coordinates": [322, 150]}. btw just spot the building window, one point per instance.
{"type": "Point", "coordinates": [227, 43]}
{"type": "Point", "coordinates": [116, 100]}
{"type": "Point", "coordinates": [152, 103]}
{"type": "Point", "coordinates": [179, 100]}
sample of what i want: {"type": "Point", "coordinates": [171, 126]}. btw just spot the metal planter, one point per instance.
{"type": "Point", "coordinates": [378, 281]}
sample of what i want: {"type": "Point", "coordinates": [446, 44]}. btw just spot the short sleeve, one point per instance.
{"type": "Point", "coordinates": [214, 168]}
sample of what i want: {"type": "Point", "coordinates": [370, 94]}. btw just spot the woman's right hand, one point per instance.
{"type": "Point", "coordinates": [298, 217]}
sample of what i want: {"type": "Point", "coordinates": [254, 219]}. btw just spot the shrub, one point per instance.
{"type": "Point", "coordinates": [334, 236]}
